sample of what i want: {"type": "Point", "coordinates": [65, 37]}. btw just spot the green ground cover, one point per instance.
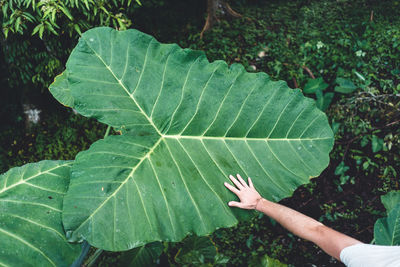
{"type": "Point", "coordinates": [291, 41]}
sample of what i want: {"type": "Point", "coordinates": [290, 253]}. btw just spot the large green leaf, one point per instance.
{"type": "Point", "coordinates": [31, 232]}
{"type": "Point", "coordinates": [387, 230]}
{"type": "Point", "coordinates": [189, 123]}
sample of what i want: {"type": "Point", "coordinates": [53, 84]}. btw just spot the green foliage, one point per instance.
{"type": "Point", "coordinates": [38, 36]}
{"type": "Point", "coordinates": [31, 231]}
{"type": "Point", "coordinates": [266, 261]}
{"type": "Point", "coordinates": [57, 17]}
{"type": "Point", "coordinates": [199, 251]}
{"type": "Point", "coordinates": [58, 136]}
{"type": "Point", "coordinates": [340, 171]}
{"type": "Point", "coordinates": [179, 143]}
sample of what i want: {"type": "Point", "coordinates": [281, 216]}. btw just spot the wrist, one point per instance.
{"type": "Point", "coordinates": [259, 204]}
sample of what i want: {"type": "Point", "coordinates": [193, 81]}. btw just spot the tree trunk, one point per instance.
{"type": "Point", "coordinates": [213, 6]}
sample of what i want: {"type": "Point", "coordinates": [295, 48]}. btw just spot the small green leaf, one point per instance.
{"type": "Point", "coordinates": [28, 17]}
{"type": "Point", "coordinates": [313, 85]}
{"type": "Point", "coordinates": [377, 143]}
{"type": "Point", "coordinates": [41, 29]}
{"type": "Point", "coordinates": [341, 169]}
{"type": "Point", "coordinates": [362, 78]}
{"type": "Point", "coordinates": [50, 27]}
{"type": "Point", "coordinates": [17, 23]}
{"type": "Point", "coordinates": [335, 127]}
{"type": "Point", "coordinates": [365, 165]}
{"type": "Point", "coordinates": [345, 86]}
{"type": "Point", "coordinates": [5, 31]}
{"type": "Point", "coordinates": [364, 141]}
{"type": "Point", "coordinates": [323, 100]}
{"type": "Point", "coordinates": [77, 29]}
{"type": "Point", "coordinates": [66, 12]}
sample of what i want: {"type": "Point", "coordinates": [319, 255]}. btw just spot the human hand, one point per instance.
{"type": "Point", "coordinates": [247, 194]}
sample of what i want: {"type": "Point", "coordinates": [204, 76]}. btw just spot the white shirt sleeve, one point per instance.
{"type": "Point", "coordinates": [366, 255]}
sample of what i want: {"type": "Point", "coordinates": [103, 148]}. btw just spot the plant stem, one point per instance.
{"type": "Point", "coordinates": [85, 250]}
{"type": "Point", "coordinates": [107, 131]}
{"type": "Point", "coordinates": [92, 260]}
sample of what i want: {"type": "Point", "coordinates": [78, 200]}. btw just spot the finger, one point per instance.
{"type": "Point", "coordinates": [236, 182]}
{"type": "Point", "coordinates": [250, 183]}
{"type": "Point", "coordinates": [232, 188]}
{"type": "Point", "coordinates": [234, 204]}
{"type": "Point", "coordinates": [241, 180]}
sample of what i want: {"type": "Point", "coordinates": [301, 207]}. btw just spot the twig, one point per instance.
{"type": "Point", "coordinates": [295, 83]}
{"type": "Point", "coordinates": [308, 71]}
{"type": "Point", "coordinates": [375, 99]}
{"type": "Point", "coordinates": [304, 67]}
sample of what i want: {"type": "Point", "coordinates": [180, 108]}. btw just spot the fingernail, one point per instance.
{"type": "Point", "coordinates": [229, 204]}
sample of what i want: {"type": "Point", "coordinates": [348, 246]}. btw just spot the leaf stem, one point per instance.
{"type": "Point", "coordinates": [85, 250]}
{"type": "Point", "coordinates": [92, 259]}
{"type": "Point", "coordinates": [107, 131]}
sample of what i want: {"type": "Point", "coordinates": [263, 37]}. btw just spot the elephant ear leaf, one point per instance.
{"type": "Point", "coordinates": [31, 231]}
{"type": "Point", "coordinates": [188, 124]}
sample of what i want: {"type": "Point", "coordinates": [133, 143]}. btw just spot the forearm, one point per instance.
{"type": "Point", "coordinates": [331, 241]}
{"type": "Point", "coordinates": [296, 222]}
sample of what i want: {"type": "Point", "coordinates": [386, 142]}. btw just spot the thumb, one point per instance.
{"type": "Point", "coordinates": [235, 204]}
